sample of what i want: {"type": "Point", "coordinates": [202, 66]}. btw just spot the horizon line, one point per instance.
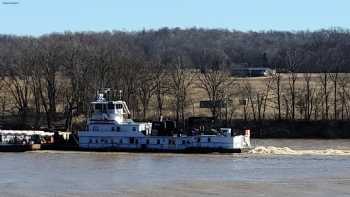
{"type": "Point", "coordinates": [337, 28]}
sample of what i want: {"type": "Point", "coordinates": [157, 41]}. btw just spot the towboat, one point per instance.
{"type": "Point", "coordinates": [109, 128]}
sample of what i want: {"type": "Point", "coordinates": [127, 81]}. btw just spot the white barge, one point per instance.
{"type": "Point", "coordinates": [110, 129]}
{"type": "Point", "coordinates": [23, 140]}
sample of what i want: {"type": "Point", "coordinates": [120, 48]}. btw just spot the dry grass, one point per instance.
{"type": "Point", "coordinates": [258, 84]}
{"type": "Point", "coordinates": [196, 94]}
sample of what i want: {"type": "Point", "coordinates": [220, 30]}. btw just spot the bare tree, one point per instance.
{"type": "Point", "coordinates": [161, 86]}
{"type": "Point", "coordinates": [18, 85]}
{"type": "Point", "coordinates": [324, 79]}
{"type": "Point", "coordinates": [146, 86]}
{"type": "Point", "coordinates": [45, 75]}
{"type": "Point", "coordinates": [17, 77]}
{"type": "Point", "coordinates": [343, 83]}
{"type": "Point", "coordinates": [127, 80]}
{"type": "Point", "coordinates": [293, 59]}
{"type": "Point", "coordinates": [334, 77]}
{"type": "Point", "coordinates": [77, 69]}
{"type": "Point", "coordinates": [267, 92]}
{"type": "Point", "coordinates": [308, 96]}
{"type": "Point", "coordinates": [248, 91]}
{"type": "Point", "coordinates": [180, 81]}
{"type": "Point", "coordinates": [277, 86]}
{"type": "Point", "coordinates": [258, 99]}
{"type": "Point", "coordinates": [337, 58]}
{"type": "Point", "coordinates": [216, 82]}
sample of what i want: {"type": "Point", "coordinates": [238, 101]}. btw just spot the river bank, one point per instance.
{"type": "Point", "coordinates": [313, 129]}
{"type": "Point", "coordinates": [295, 129]}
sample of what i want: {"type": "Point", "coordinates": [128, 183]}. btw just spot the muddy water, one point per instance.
{"type": "Point", "coordinates": [273, 168]}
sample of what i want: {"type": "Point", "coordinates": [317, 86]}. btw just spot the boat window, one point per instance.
{"type": "Point", "coordinates": [209, 140]}
{"type": "Point", "coordinates": [95, 128]}
{"type": "Point", "coordinates": [198, 139]}
{"type": "Point", "coordinates": [131, 140]}
{"type": "Point", "coordinates": [183, 142]}
{"type": "Point", "coordinates": [110, 105]}
{"type": "Point", "coordinates": [133, 128]}
{"type": "Point", "coordinates": [121, 141]}
{"type": "Point", "coordinates": [90, 140]}
{"type": "Point", "coordinates": [158, 141]}
{"type": "Point", "coordinates": [136, 141]}
{"type": "Point", "coordinates": [118, 129]}
{"type": "Point", "coordinates": [119, 106]}
{"type": "Point", "coordinates": [169, 141]}
{"type": "Point", "coordinates": [96, 141]}
{"type": "Point", "coordinates": [98, 107]}
{"type": "Point", "coordinates": [147, 141]}
{"type": "Point", "coordinates": [104, 110]}
{"type": "Point", "coordinates": [113, 128]}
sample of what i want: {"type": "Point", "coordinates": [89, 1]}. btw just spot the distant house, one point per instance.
{"type": "Point", "coordinates": [252, 72]}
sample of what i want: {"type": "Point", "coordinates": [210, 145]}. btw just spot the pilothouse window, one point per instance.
{"type": "Point", "coordinates": [110, 105]}
{"type": "Point", "coordinates": [119, 106]}
{"type": "Point", "coordinates": [104, 110]}
{"type": "Point", "coordinates": [100, 107]}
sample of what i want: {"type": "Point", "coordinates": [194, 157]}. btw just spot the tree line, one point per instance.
{"type": "Point", "coordinates": [55, 76]}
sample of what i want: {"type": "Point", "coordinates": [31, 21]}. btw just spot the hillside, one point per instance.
{"type": "Point", "coordinates": [167, 72]}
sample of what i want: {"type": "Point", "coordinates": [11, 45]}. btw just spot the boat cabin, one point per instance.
{"type": "Point", "coordinates": [112, 116]}
{"type": "Point", "coordinates": [109, 110]}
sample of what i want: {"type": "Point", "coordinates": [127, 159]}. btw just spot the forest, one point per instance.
{"type": "Point", "coordinates": [49, 80]}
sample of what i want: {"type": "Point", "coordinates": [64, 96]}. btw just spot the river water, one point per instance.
{"type": "Point", "coordinates": [274, 168]}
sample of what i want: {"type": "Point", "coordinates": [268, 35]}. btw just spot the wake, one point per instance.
{"type": "Point", "coordinates": [272, 150]}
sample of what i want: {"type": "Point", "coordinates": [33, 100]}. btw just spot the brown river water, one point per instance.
{"type": "Point", "coordinates": [274, 168]}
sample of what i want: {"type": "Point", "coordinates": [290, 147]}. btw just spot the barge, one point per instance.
{"type": "Point", "coordinates": [23, 140]}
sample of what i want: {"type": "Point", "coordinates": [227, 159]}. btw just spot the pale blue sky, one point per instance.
{"type": "Point", "coordinates": [36, 17]}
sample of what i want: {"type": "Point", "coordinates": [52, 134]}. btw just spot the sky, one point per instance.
{"type": "Point", "coordinates": [38, 17]}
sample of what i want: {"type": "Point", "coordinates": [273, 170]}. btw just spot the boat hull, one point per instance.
{"type": "Point", "coordinates": [112, 141]}
{"type": "Point", "coordinates": [187, 150]}
{"type": "Point", "coordinates": [143, 150]}
{"type": "Point", "coordinates": [19, 147]}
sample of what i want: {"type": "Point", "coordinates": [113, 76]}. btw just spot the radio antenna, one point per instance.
{"type": "Point", "coordinates": [120, 94]}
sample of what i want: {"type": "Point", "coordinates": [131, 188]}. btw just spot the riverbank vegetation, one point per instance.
{"type": "Point", "coordinates": [48, 81]}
